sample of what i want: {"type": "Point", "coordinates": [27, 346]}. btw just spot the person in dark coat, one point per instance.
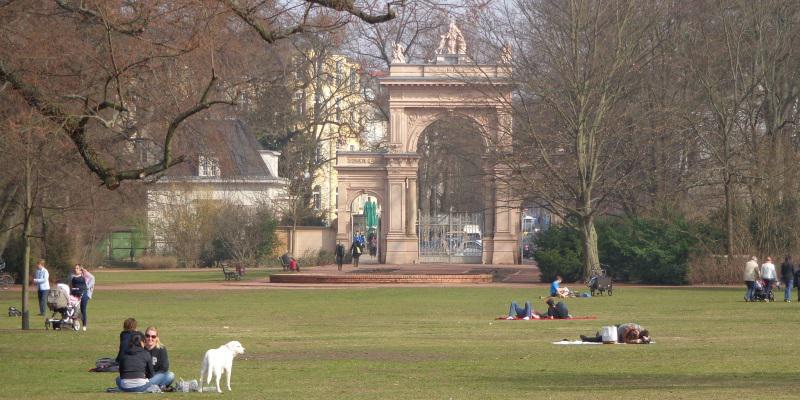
{"type": "Point", "coordinates": [128, 330]}
{"type": "Point", "coordinates": [355, 250]}
{"type": "Point", "coordinates": [787, 277]}
{"type": "Point", "coordinates": [557, 310]}
{"type": "Point", "coordinates": [135, 368]}
{"type": "Point", "coordinates": [339, 255]}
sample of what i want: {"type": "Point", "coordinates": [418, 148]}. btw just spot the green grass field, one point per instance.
{"type": "Point", "coordinates": [423, 343]}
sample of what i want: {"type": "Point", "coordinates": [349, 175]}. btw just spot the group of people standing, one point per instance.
{"type": "Point", "coordinates": [767, 273]}
{"type": "Point", "coordinates": [81, 286]}
{"type": "Point", "coordinates": [143, 360]}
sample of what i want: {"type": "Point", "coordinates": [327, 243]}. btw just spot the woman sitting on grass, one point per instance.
{"type": "Point", "coordinates": [162, 376]}
{"type": "Point", "coordinates": [135, 367]}
{"type": "Point", "coordinates": [128, 329]}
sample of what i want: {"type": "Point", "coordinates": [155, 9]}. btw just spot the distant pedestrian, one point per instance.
{"type": "Point", "coordinates": [339, 255]}
{"type": "Point", "coordinates": [355, 251]}
{"type": "Point", "coordinates": [787, 277]}
{"type": "Point", "coordinates": [797, 279]}
{"type": "Point", "coordinates": [769, 276]}
{"type": "Point", "coordinates": [750, 276]}
{"type": "Point", "coordinates": [42, 278]}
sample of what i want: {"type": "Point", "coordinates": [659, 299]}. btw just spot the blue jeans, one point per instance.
{"type": "Point", "coordinates": [135, 389]}
{"type": "Point", "coordinates": [42, 300]}
{"type": "Point", "coordinates": [516, 311]}
{"type": "Point", "coordinates": [787, 293]}
{"type": "Point", "coordinates": [84, 303]}
{"type": "Point", "coordinates": [162, 378]}
{"type": "Point", "coordinates": [748, 295]}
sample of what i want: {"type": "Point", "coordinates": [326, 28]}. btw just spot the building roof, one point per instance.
{"type": "Point", "coordinates": [227, 140]}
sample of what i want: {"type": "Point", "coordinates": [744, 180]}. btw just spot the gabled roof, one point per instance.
{"type": "Point", "coordinates": [229, 141]}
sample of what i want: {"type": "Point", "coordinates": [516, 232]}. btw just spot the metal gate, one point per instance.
{"type": "Point", "coordinates": [455, 237]}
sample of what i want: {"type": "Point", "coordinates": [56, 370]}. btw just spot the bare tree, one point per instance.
{"type": "Point", "coordinates": [111, 53]}
{"type": "Point", "coordinates": [576, 65]}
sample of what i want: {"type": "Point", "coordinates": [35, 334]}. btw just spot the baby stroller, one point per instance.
{"type": "Point", "coordinates": [68, 307]}
{"type": "Point", "coordinates": [760, 292]}
{"type": "Point", "coordinates": [600, 283]}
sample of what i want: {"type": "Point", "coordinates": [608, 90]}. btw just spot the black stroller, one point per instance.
{"type": "Point", "coordinates": [67, 307]}
{"type": "Point", "coordinates": [600, 283]}
{"type": "Point", "coordinates": [760, 292]}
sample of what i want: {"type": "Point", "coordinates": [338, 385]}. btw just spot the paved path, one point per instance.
{"type": "Point", "coordinates": [505, 276]}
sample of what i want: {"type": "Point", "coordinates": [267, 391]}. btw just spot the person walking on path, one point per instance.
{"type": "Point", "coordinates": [355, 251]}
{"type": "Point", "coordinates": [42, 278]}
{"type": "Point", "coordinates": [750, 276]}
{"type": "Point", "coordinates": [787, 277]}
{"type": "Point", "coordinates": [769, 276]}
{"type": "Point", "coordinates": [339, 255]}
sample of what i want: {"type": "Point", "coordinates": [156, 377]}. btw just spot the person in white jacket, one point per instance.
{"type": "Point", "coordinates": [42, 278]}
{"type": "Point", "coordinates": [769, 276]}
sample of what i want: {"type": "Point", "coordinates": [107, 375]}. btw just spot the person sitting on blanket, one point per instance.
{"type": "Point", "coordinates": [556, 290]}
{"type": "Point", "coordinates": [629, 333]}
{"type": "Point", "coordinates": [516, 312]}
{"type": "Point", "coordinates": [557, 311]}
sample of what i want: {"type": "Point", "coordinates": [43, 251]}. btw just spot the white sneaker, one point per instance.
{"type": "Point", "coordinates": [526, 318]}
{"type": "Point", "coordinates": [509, 317]}
{"type": "Point", "coordinates": [84, 329]}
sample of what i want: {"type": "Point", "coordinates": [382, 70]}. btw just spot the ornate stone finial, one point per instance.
{"type": "Point", "coordinates": [452, 42]}
{"type": "Point", "coordinates": [505, 54]}
{"type": "Point", "coordinates": [398, 54]}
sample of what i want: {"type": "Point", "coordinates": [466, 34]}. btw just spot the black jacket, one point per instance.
{"type": "Point", "coordinates": [558, 311]}
{"type": "Point", "coordinates": [135, 363]}
{"type": "Point", "coordinates": [339, 250]}
{"type": "Point", "coordinates": [787, 271]}
{"type": "Point", "coordinates": [124, 342]}
{"type": "Point", "coordinates": [159, 359]}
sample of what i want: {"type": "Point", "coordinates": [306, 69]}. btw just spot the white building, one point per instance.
{"type": "Point", "coordinates": [225, 164]}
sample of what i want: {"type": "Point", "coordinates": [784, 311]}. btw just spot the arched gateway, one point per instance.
{"type": "Point", "coordinates": [420, 94]}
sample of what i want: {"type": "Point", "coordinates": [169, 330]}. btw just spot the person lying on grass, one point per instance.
{"type": "Point", "coordinates": [526, 313]}
{"type": "Point", "coordinates": [630, 333]}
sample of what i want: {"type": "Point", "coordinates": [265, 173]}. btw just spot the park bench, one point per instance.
{"type": "Point", "coordinates": [230, 273]}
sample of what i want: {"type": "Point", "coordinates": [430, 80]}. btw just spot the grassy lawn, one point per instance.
{"type": "Point", "coordinates": [424, 343]}
{"type": "Point", "coordinates": [175, 275]}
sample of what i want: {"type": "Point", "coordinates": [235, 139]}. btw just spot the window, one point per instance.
{"type": "Point", "coordinates": [208, 166]}
{"type": "Point", "coordinates": [300, 101]}
{"type": "Point", "coordinates": [317, 197]}
{"type": "Point", "coordinates": [338, 111]}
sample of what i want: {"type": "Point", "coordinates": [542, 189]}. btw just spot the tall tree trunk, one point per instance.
{"type": "Point", "coordinates": [26, 234]}
{"type": "Point", "coordinates": [591, 257]}
{"type": "Point", "coordinates": [729, 216]}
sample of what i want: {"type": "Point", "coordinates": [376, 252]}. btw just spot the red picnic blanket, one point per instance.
{"type": "Point", "coordinates": [549, 319]}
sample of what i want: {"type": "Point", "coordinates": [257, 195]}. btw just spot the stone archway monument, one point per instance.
{"type": "Point", "coordinates": [420, 94]}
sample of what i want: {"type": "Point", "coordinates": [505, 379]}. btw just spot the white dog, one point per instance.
{"type": "Point", "coordinates": [219, 360]}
